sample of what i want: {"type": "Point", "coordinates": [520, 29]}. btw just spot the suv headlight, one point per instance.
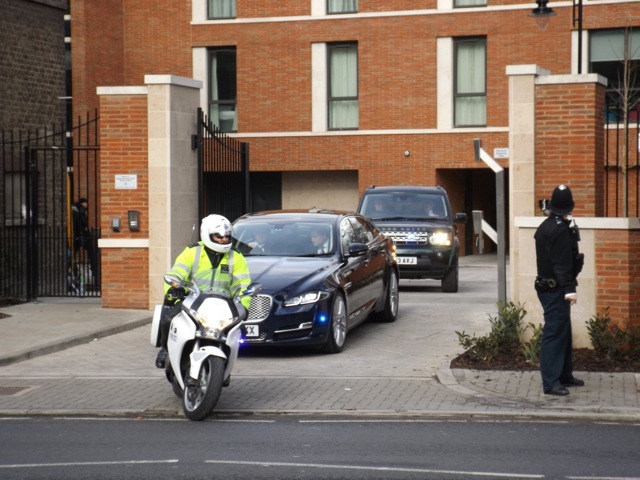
{"type": "Point", "coordinates": [442, 239]}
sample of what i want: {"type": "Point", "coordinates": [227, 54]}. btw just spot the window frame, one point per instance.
{"type": "Point", "coordinates": [608, 67]}
{"type": "Point", "coordinates": [471, 4]}
{"type": "Point", "coordinates": [332, 100]}
{"type": "Point", "coordinates": [457, 43]}
{"type": "Point", "coordinates": [338, 12]}
{"type": "Point", "coordinates": [225, 17]}
{"type": "Point", "coordinates": [214, 104]}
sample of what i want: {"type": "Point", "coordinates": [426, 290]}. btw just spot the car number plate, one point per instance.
{"type": "Point", "coordinates": [407, 261]}
{"type": "Point", "coordinates": [252, 330]}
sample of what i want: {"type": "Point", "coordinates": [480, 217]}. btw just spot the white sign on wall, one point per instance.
{"type": "Point", "coordinates": [126, 182]}
{"type": "Point", "coordinates": [500, 153]}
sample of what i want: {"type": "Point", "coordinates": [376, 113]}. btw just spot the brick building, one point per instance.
{"type": "Point", "coordinates": [333, 102]}
{"type": "Point", "coordinates": [32, 76]}
{"type": "Point", "coordinates": [272, 76]}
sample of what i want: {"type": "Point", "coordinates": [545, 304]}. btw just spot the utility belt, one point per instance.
{"type": "Point", "coordinates": [545, 284]}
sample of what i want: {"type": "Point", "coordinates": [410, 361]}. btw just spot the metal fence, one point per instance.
{"type": "Point", "coordinates": [223, 164]}
{"type": "Point", "coordinates": [44, 172]}
{"type": "Point", "coordinates": [622, 161]}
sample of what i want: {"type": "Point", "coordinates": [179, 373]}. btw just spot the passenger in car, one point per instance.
{"type": "Point", "coordinates": [320, 239]}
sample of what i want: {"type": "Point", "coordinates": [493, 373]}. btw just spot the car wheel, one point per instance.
{"type": "Point", "coordinates": [390, 311]}
{"type": "Point", "coordinates": [338, 326]}
{"type": "Point", "coordinates": [450, 280]}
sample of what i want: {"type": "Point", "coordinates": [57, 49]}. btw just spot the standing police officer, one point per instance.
{"type": "Point", "coordinates": [559, 263]}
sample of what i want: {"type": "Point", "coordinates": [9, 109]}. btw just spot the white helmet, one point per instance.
{"type": "Point", "coordinates": [216, 225]}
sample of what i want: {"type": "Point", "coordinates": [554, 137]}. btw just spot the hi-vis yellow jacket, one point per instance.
{"type": "Point", "coordinates": [232, 274]}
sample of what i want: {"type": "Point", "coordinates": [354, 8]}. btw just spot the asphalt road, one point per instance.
{"type": "Point", "coordinates": [316, 447]}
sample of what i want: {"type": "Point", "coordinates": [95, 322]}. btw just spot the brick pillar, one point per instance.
{"type": "Point", "coordinates": [124, 186]}
{"type": "Point", "coordinates": [173, 174]}
{"type": "Point", "coordinates": [617, 265]}
{"type": "Point", "coordinates": [570, 139]}
{"type": "Point", "coordinates": [147, 165]}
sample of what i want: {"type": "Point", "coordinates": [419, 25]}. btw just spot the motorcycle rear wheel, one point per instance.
{"type": "Point", "coordinates": [199, 400]}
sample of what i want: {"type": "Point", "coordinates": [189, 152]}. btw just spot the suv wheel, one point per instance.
{"type": "Point", "coordinates": [450, 280]}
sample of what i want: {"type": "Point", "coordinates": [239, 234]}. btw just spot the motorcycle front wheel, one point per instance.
{"type": "Point", "coordinates": [199, 400]}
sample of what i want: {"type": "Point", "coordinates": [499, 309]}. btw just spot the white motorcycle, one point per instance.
{"type": "Point", "coordinates": [202, 347]}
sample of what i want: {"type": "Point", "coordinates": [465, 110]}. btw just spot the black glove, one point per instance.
{"type": "Point", "coordinates": [176, 293]}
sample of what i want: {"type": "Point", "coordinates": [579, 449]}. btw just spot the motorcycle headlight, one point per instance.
{"type": "Point", "coordinates": [212, 328]}
{"type": "Point", "coordinates": [304, 299]}
{"type": "Point", "coordinates": [442, 239]}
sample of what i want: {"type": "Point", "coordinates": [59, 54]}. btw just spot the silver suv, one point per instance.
{"type": "Point", "coordinates": [423, 228]}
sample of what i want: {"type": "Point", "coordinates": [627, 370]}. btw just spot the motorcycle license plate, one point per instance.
{"type": "Point", "coordinates": [407, 260]}
{"type": "Point", "coordinates": [252, 330]}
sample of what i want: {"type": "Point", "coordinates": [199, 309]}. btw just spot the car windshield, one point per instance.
{"type": "Point", "coordinates": [284, 238]}
{"type": "Point", "coordinates": [404, 205]}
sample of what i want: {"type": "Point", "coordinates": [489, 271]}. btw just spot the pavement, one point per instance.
{"type": "Point", "coordinates": [71, 357]}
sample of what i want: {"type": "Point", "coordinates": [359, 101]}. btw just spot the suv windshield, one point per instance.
{"type": "Point", "coordinates": [402, 205]}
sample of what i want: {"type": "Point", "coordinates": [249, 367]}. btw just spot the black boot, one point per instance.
{"type": "Point", "coordinates": [161, 358]}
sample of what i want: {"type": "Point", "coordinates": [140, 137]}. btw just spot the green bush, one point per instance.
{"type": "Point", "coordinates": [506, 338]}
{"type": "Point", "coordinates": [610, 341]}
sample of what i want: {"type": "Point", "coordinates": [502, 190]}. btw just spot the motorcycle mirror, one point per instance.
{"type": "Point", "coordinates": [253, 289]}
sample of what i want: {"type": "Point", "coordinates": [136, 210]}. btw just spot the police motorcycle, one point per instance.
{"type": "Point", "coordinates": [203, 344]}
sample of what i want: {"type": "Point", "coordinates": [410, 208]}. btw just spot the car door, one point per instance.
{"type": "Point", "coordinates": [353, 275]}
{"type": "Point", "coordinates": [375, 262]}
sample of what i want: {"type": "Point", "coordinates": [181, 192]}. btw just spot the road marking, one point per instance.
{"type": "Point", "coordinates": [376, 469]}
{"type": "Point", "coordinates": [84, 464]}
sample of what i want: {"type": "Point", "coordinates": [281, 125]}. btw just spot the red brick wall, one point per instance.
{"type": "Point", "coordinates": [123, 141]}
{"type": "Point", "coordinates": [569, 139]}
{"type": "Point", "coordinates": [618, 275]}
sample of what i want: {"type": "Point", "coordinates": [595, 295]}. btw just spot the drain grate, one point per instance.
{"type": "Point", "coordinates": [12, 390]}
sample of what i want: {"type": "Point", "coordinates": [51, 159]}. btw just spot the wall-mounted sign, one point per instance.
{"type": "Point", "coordinates": [126, 182]}
{"type": "Point", "coordinates": [500, 153]}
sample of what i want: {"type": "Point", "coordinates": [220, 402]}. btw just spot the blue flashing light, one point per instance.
{"type": "Point", "coordinates": [322, 318]}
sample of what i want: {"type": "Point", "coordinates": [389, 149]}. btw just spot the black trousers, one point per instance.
{"type": "Point", "coordinates": [556, 364]}
{"type": "Point", "coordinates": [168, 312]}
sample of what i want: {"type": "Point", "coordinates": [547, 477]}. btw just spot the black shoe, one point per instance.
{"type": "Point", "coordinates": [161, 358]}
{"type": "Point", "coordinates": [559, 390]}
{"type": "Point", "coordinates": [574, 382]}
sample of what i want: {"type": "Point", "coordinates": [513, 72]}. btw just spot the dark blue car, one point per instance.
{"type": "Point", "coordinates": [322, 272]}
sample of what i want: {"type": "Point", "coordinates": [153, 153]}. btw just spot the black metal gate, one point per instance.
{"type": "Point", "coordinates": [223, 172]}
{"type": "Point", "coordinates": [43, 174]}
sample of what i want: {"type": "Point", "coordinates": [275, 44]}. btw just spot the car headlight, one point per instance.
{"type": "Point", "coordinates": [304, 299]}
{"type": "Point", "coordinates": [440, 238]}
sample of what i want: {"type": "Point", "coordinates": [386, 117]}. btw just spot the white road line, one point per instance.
{"type": "Point", "coordinates": [84, 464]}
{"type": "Point", "coordinates": [376, 469]}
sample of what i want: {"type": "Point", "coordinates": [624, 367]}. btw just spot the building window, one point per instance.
{"type": "Point", "coordinates": [470, 82]}
{"type": "Point", "coordinates": [342, 6]}
{"type": "Point", "coordinates": [610, 51]}
{"type": "Point", "coordinates": [343, 86]}
{"type": "Point", "coordinates": [15, 210]}
{"type": "Point", "coordinates": [222, 89]}
{"type": "Point", "coordinates": [469, 3]}
{"type": "Point", "coordinates": [221, 9]}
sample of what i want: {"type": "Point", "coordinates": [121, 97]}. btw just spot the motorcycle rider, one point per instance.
{"type": "Point", "coordinates": [213, 266]}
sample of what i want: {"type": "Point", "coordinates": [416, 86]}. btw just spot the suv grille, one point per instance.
{"type": "Point", "coordinates": [408, 236]}
{"type": "Point", "coordinates": [259, 308]}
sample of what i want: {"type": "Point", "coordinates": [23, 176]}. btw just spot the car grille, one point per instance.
{"type": "Point", "coordinates": [259, 308]}
{"type": "Point", "coordinates": [408, 236]}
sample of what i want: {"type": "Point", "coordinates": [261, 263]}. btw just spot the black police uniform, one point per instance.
{"type": "Point", "coordinates": [558, 263]}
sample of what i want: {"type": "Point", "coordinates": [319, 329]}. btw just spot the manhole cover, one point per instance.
{"type": "Point", "coordinates": [11, 390]}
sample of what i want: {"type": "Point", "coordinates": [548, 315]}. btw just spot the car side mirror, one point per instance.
{"type": "Point", "coordinates": [358, 249]}
{"type": "Point", "coordinates": [460, 218]}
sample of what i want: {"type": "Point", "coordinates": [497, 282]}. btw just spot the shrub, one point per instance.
{"type": "Point", "coordinates": [506, 337]}
{"type": "Point", "coordinates": [610, 341]}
